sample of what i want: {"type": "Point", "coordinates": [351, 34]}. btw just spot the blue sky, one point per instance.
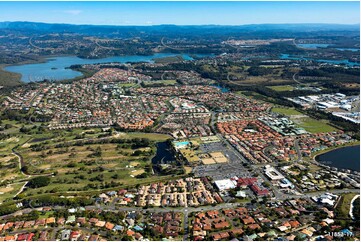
{"type": "Point", "coordinates": [181, 13]}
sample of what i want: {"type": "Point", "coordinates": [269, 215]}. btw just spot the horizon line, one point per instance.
{"type": "Point", "coordinates": [165, 24]}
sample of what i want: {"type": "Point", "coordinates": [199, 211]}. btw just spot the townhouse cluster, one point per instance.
{"type": "Point", "coordinates": [288, 220]}
{"type": "Point", "coordinates": [191, 78]}
{"type": "Point", "coordinates": [265, 139]}
{"type": "Point", "coordinates": [187, 192]}
{"type": "Point", "coordinates": [230, 102]}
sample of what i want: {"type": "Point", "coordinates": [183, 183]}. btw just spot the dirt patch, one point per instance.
{"type": "Point", "coordinates": [134, 163]}
{"type": "Point", "coordinates": [137, 172]}
{"type": "Point", "coordinates": [6, 189]}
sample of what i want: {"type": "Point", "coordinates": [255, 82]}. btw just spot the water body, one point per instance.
{"type": "Point", "coordinates": [223, 89]}
{"type": "Point", "coordinates": [57, 68]}
{"type": "Point", "coordinates": [164, 154]}
{"type": "Point", "coordinates": [313, 46]}
{"type": "Point", "coordinates": [343, 158]}
{"type": "Point", "coordinates": [336, 62]}
{"type": "Point", "coordinates": [348, 49]}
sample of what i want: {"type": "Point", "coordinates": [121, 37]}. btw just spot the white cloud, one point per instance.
{"type": "Point", "coordinates": [73, 11]}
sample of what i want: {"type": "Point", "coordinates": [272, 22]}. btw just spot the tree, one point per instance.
{"type": "Point", "coordinates": [40, 181]}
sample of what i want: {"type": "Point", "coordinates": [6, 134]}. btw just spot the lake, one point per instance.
{"type": "Point", "coordinates": [336, 62]}
{"type": "Point", "coordinates": [164, 155]}
{"type": "Point", "coordinates": [344, 158]}
{"type": "Point", "coordinates": [223, 89]}
{"type": "Point", "coordinates": [56, 68]}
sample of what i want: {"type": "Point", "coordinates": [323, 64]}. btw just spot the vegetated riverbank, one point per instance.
{"type": "Point", "coordinates": [9, 79]}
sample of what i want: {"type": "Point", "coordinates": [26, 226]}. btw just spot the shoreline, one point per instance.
{"type": "Point", "coordinates": [318, 153]}
{"type": "Point", "coordinates": [45, 59]}
{"type": "Point", "coordinates": [39, 60]}
{"type": "Point", "coordinates": [351, 206]}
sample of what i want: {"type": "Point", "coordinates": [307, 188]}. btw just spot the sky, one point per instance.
{"type": "Point", "coordinates": [181, 13]}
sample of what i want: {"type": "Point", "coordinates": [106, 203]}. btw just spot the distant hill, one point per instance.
{"type": "Point", "coordinates": [174, 29]}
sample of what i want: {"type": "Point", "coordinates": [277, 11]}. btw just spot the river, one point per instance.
{"type": "Point", "coordinates": [56, 68]}
{"type": "Point", "coordinates": [335, 62]}
{"type": "Point", "coordinates": [343, 158]}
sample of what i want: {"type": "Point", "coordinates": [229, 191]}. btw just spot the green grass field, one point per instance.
{"type": "Point", "coordinates": [127, 84]}
{"type": "Point", "coordinates": [164, 82]}
{"type": "Point", "coordinates": [309, 124]}
{"type": "Point", "coordinates": [281, 88]}
{"type": "Point", "coordinates": [315, 126]}
{"type": "Point", "coordinates": [286, 111]}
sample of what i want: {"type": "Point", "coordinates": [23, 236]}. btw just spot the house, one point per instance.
{"type": "Point", "coordinates": [291, 237]}
{"type": "Point", "coordinates": [93, 220]}
{"type": "Point", "coordinates": [65, 234]}
{"type": "Point", "coordinates": [71, 219]}
{"type": "Point", "coordinates": [242, 210]}
{"type": "Point", "coordinates": [237, 231]}
{"type": "Point", "coordinates": [130, 232]}
{"type": "Point", "coordinates": [43, 235]}
{"type": "Point", "coordinates": [294, 224]}
{"type": "Point", "coordinates": [74, 235]}
{"type": "Point", "coordinates": [93, 237]}
{"type": "Point", "coordinates": [137, 228]}
{"type": "Point", "coordinates": [40, 222]}
{"type": "Point", "coordinates": [118, 228]}
{"type": "Point", "coordinates": [248, 220]}
{"type": "Point", "coordinates": [138, 236]}
{"type": "Point", "coordinates": [60, 221]}
{"type": "Point", "coordinates": [158, 229]}
{"type": "Point", "coordinates": [212, 214]}
{"type": "Point", "coordinates": [254, 226]}
{"type": "Point", "coordinates": [109, 225]}
{"type": "Point", "coordinates": [130, 221]}
{"type": "Point", "coordinates": [9, 225]}
{"type": "Point", "coordinates": [100, 223]}
{"type": "Point", "coordinates": [307, 232]}
{"type": "Point", "coordinates": [81, 220]}
{"type": "Point", "coordinates": [50, 220]}
{"type": "Point", "coordinates": [221, 225]}
{"type": "Point", "coordinates": [207, 226]}
{"type": "Point", "coordinates": [283, 228]}
{"type": "Point", "coordinates": [10, 238]}
{"type": "Point", "coordinates": [25, 237]}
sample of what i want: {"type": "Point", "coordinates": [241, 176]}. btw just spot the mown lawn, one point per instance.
{"type": "Point", "coordinates": [286, 111]}
{"type": "Point", "coordinates": [315, 126]}
{"type": "Point", "coordinates": [281, 88]}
